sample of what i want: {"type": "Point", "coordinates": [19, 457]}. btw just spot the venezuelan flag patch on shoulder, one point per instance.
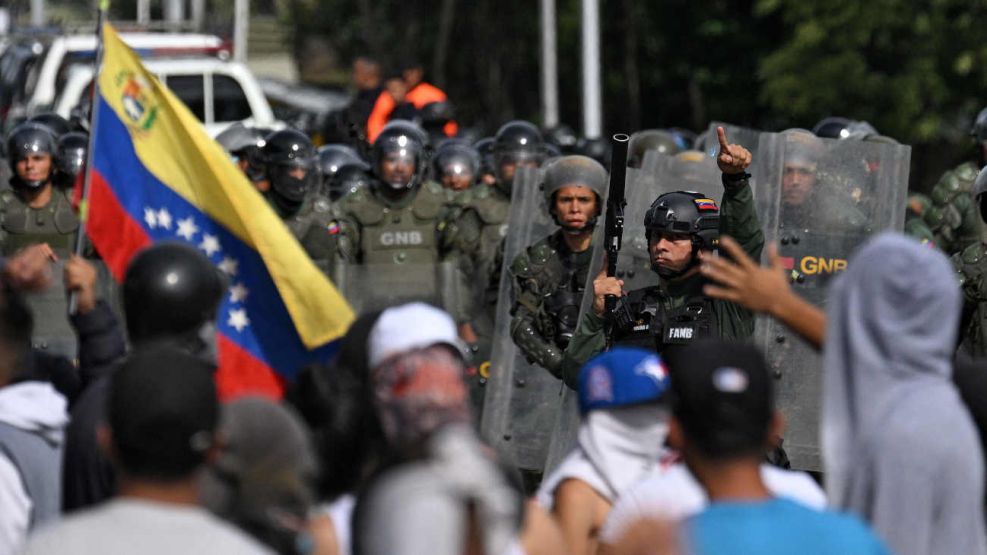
{"type": "Point", "coordinates": [706, 204]}
{"type": "Point", "coordinates": [333, 228]}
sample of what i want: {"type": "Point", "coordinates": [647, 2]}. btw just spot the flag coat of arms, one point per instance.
{"type": "Point", "coordinates": [156, 175]}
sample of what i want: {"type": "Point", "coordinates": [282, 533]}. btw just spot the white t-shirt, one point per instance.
{"type": "Point", "coordinates": [124, 526]}
{"type": "Point", "coordinates": [340, 512]}
{"type": "Point", "coordinates": [672, 493]}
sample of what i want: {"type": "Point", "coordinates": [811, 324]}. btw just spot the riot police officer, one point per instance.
{"type": "Point", "coordinates": [650, 139]}
{"type": "Point", "coordinates": [953, 215]}
{"type": "Point", "coordinates": [332, 157]}
{"type": "Point", "coordinates": [33, 210]}
{"type": "Point", "coordinates": [244, 145]}
{"type": "Point", "coordinates": [391, 229]}
{"type": "Point", "coordinates": [290, 166]}
{"type": "Point", "coordinates": [971, 267]}
{"type": "Point", "coordinates": [681, 228]}
{"type": "Point", "coordinates": [70, 158]}
{"type": "Point", "coordinates": [474, 237]}
{"type": "Point", "coordinates": [549, 277]}
{"type": "Point", "coordinates": [456, 165]}
{"type": "Point", "coordinates": [347, 179]}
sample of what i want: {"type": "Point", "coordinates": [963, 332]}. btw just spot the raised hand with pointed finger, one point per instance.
{"type": "Point", "coordinates": [732, 159]}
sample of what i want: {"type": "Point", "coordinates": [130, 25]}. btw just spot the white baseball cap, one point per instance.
{"type": "Point", "coordinates": [408, 327]}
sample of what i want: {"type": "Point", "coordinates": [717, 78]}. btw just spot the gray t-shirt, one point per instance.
{"type": "Point", "coordinates": [128, 525]}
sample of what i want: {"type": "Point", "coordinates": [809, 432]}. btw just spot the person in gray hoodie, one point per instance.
{"type": "Point", "coordinates": [899, 447]}
{"type": "Point", "coordinates": [33, 416]}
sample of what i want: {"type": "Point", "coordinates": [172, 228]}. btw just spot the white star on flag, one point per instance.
{"type": "Point", "coordinates": [164, 218]}
{"type": "Point", "coordinates": [238, 293]}
{"type": "Point", "coordinates": [151, 217]}
{"type": "Point", "coordinates": [238, 319]}
{"type": "Point", "coordinates": [210, 244]}
{"type": "Point", "coordinates": [187, 228]}
{"type": "Point", "coordinates": [229, 265]}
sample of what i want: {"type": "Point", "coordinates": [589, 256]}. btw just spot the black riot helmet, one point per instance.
{"type": "Point", "coordinates": [684, 212]}
{"type": "Point", "coordinates": [398, 156]}
{"type": "Point", "coordinates": [516, 142]}
{"type": "Point", "coordinates": [171, 292]}
{"type": "Point", "coordinates": [56, 123]}
{"type": "Point", "coordinates": [71, 156]}
{"type": "Point", "coordinates": [979, 130]}
{"type": "Point", "coordinates": [562, 136]}
{"type": "Point", "coordinates": [27, 139]}
{"type": "Point", "coordinates": [244, 145]}
{"type": "Point", "coordinates": [291, 166]}
{"type": "Point", "coordinates": [658, 140]}
{"type": "Point", "coordinates": [434, 116]}
{"type": "Point", "coordinates": [348, 178]}
{"type": "Point", "coordinates": [596, 148]}
{"type": "Point", "coordinates": [485, 148]}
{"type": "Point", "coordinates": [456, 163]}
{"type": "Point", "coordinates": [334, 156]}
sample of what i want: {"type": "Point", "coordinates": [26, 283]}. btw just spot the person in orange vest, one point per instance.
{"type": "Point", "coordinates": [419, 93]}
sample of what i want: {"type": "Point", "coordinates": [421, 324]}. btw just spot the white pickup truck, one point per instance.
{"type": "Point", "coordinates": [219, 92]}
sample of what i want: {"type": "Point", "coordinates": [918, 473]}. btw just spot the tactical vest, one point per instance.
{"type": "Point", "coordinates": [55, 224]}
{"type": "Point", "coordinates": [493, 209]}
{"type": "Point", "coordinates": [404, 234]}
{"type": "Point", "coordinates": [565, 274]}
{"type": "Point", "coordinates": [651, 319]}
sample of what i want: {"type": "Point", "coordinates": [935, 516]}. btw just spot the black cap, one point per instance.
{"type": "Point", "coordinates": [163, 412]}
{"type": "Point", "coordinates": [722, 396]}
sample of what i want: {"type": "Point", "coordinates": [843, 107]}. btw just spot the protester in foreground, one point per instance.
{"type": "Point", "coordinates": [263, 479]}
{"type": "Point", "coordinates": [32, 419]}
{"type": "Point", "coordinates": [621, 438]}
{"type": "Point", "coordinates": [723, 419]}
{"type": "Point", "coordinates": [888, 394]}
{"type": "Point", "coordinates": [892, 420]}
{"type": "Point", "coordinates": [162, 416]}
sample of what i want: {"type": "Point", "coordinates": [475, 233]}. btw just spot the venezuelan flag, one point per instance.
{"type": "Point", "coordinates": [156, 175]}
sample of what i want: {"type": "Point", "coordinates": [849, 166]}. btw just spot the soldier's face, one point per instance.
{"type": "Point", "coordinates": [797, 182]}
{"type": "Point", "coordinates": [575, 205]}
{"type": "Point", "coordinates": [670, 250]}
{"type": "Point", "coordinates": [397, 167]}
{"type": "Point", "coordinates": [457, 182]}
{"type": "Point", "coordinates": [34, 167]}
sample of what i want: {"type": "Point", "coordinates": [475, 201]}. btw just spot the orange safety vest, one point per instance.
{"type": "Point", "coordinates": [423, 94]}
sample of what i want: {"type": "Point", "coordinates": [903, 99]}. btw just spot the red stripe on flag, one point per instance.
{"type": "Point", "coordinates": [240, 373]}
{"type": "Point", "coordinates": [114, 233]}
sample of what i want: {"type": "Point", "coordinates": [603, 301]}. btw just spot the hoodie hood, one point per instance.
{"type": "Point", "coordinates": [35, 407]}
{"type": "Point", "coordinates": [892, 325]}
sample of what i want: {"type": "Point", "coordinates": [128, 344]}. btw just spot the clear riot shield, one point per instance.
{"type": "Point", "coordinates": [821, 199]}
{"type": "Point", "coordinates": [736, 134]}
{"type": "Point", "coordinates": [370, 287]}
{"type": "Point", "coordinates": [522, 400]}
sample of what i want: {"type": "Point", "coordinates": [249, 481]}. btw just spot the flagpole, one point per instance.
{"type": "Point", "coordinates": [80, 238]}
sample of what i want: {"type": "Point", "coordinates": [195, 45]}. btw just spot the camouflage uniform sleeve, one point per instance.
{"type": "Point", "coordinates": [588, 341]}
{"type": "Point", "coordinates": [970, 265]}
{"type": "Point", "coordinates": [528, 292]}
{"type": "Point", "coordinates": [738, 216]}
{"type": "Point", "coordinates": [321, 237]}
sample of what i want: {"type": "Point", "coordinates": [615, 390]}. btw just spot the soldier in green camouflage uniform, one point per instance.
{"type": "Point", "coordinates": [473, 238]}
{"type": "Point", "coordinates": [390, 231]}
{"type": "Point", "coordinates": [676, 311]}
{"type": "Point", "coordinates": [971, 268]}
{"type": "Point", "coordinates": [953, 215]}
{"type": "Point", "coordinates": [548, 279]}
{"type": "Point", "coordinates": [915, 226]}
{"type": "Point", "coordinates": [290, 167]}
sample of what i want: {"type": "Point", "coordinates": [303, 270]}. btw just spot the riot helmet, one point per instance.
{"type": "Point", "coordinates": [485, 149]}
{"type": "Point", "coordinates": [348, 178]}
{"type": "Point", "coordinates": [650, 139]}
{"type": "Point", "coordinates": [32, 142]}
{"type": "Point", "coordinates": [54, 122]}
{"type": "Point", "coordinates": [398, 156]}
{"type": "Point", "coordinates": [171, 292]}
{"type": "Point", "coordinates": [456, 165]}
{"type": "Point", "coordinates": [574, 170]}
{"type": "Point", "coordinates": [563, 137]}
{"type": "Point", "coordinates": [331, 158]}
{"type": "Point", "coordinates": [683, 213]}
{"type": "Point", "coordinates": [291, 166]}
{"type": "Point", "coordinates": [832, 127]}
{"type": "Point", "coordinates": [244, 145]}
{"type": "Point", "coordinates": [71, 156]}
{"type": "Point", "coordinates": [434, 117]}
{"type": "Point", "coordinates": [596, 148]}
{"type": "Point", "coordinates": [516, 143]}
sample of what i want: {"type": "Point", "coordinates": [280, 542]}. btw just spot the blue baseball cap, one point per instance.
{"type": "Point", "coordinates": [620, 377]}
